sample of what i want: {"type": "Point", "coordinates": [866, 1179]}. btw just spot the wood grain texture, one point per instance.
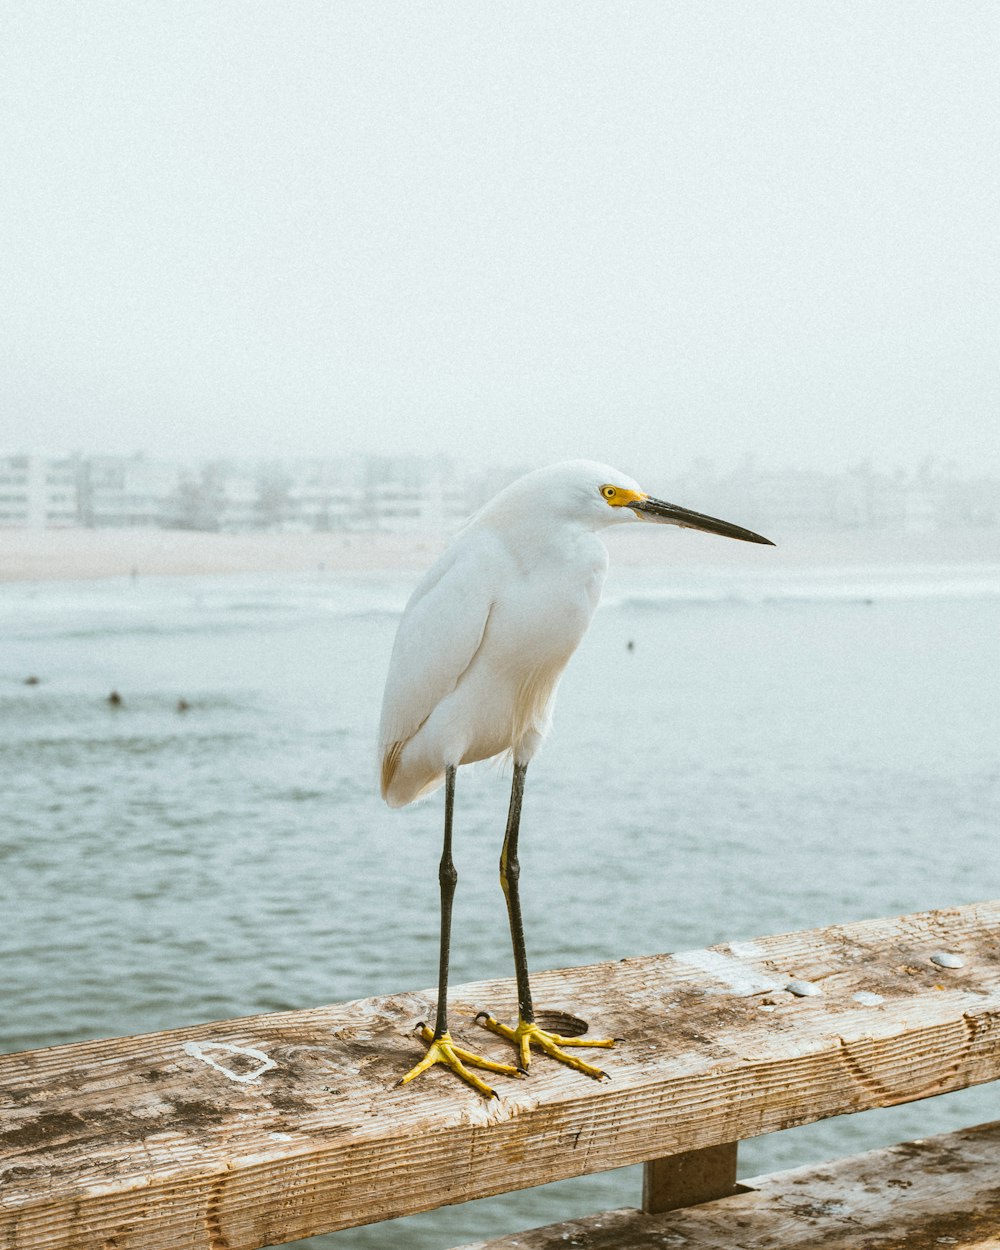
{"type": "Point", "coordinates": [178, 1141]}
{"type": "Point", "coordinates": [689, 1177]}
{"type": "Point", "coordinates": [927, 1195]}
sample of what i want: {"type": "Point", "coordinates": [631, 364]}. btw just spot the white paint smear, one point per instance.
{"type": "Point", "coordinates": [733, 975]}
{"type": "Point", "coordinates": [199, 1050]}
{"type": "Point", "coordinates": [747, 950]}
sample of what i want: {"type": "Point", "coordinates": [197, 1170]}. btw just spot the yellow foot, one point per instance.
{"type": "Point", "coordinates": [444, 1051]}
{"type": "Point", "coordinates": [525, 1035]}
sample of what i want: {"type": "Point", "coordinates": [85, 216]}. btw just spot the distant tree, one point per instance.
{"type": "Point", "coordinates": [198, 500]}
{"type": "Point", "coordinates": [273, 497]}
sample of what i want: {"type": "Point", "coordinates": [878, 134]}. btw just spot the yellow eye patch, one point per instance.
{"type": "Point", "coordinates": [619, 497]}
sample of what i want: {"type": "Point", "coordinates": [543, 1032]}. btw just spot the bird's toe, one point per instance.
{"type": "Point", "coordinates": [525, 1035]}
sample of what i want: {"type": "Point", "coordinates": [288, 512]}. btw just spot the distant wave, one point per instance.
{"type": "Point", "coordinates": [171, 607]}
{"type": "Point", "coordinates": [215, 626]}
{"type": "Point", "coordinates": [835, 586]}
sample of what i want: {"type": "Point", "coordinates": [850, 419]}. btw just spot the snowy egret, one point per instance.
{"type": "Point", "coordinates": [478, 655]}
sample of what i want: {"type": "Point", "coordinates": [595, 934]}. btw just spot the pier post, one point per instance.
{"type": "Point", "coordinates": [690, 1177]}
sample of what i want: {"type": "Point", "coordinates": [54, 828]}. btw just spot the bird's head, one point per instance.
{"type": "Point", "coordinates": [600, 496]}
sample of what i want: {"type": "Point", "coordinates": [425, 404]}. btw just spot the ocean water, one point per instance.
{"type": "Point", "coordinates": [773, 752]}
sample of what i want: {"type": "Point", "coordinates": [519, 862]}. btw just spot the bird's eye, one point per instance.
{"type": "Point", "coordinates": [608, 492]}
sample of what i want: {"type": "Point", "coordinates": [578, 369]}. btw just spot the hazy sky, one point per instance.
{"type": "Point", "coordinates": [641, 232]}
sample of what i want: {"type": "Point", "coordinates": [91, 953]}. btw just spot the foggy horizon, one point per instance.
{"type": "Point", "coordinates": [646, 236]}
{"type": "Point", "coordinates": [468, 463]}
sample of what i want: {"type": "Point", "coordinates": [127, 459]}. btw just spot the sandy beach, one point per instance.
{"type": "Point", "coordinates": [76, 554]}
{"type": "Point", "coordinates": [64, 555]}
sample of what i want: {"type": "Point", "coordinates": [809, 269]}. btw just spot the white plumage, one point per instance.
{"type": "Point", "coordinates": [488, 631]}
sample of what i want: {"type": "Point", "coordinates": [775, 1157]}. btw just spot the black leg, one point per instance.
{"type": "Point", "coordinates": [527, 1033]}
{"type": "Point", "coordinates": [440, 1048]}
{"type": "Point", "coordinates": [510, 872]}
{"type": "Point", "coordinates": [448, 877]}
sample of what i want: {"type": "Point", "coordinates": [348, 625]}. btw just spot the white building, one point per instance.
{"type": "Point", "coordinates": [413, 494]}
{"type": "Point", "coordinates": [433, 506]}
{"type": "Point", "coordinates": [238, 498]}
{"type": "Point", "coordinates": [324, 495]}
{"type": "Point", "coordinates": [128, 492]}
{"type": "Point", "coordinates": [39, 492]}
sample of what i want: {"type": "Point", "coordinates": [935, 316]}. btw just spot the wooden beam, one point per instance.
{"type": "Point", "coordinates": [937, 1194]}
{"type": "Point", "coordinates": [251, 1132]}
{"type": "Point", "coordinates": [690, 1177]}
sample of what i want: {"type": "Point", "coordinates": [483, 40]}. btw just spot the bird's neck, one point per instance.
{"type": "Point", "coordinates": [565, 545]}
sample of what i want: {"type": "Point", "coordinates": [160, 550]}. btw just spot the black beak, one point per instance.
{"type": "Point", "coordinates": [672, 514]}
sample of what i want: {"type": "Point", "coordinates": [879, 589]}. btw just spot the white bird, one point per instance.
{"type": "Point", "coordinates": [479, 652]}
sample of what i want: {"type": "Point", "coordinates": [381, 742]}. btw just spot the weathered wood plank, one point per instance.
{"type": "Point", "coordinates": [178, 1141]}
{"type": "Point", "coordinates": [693, 1176]}
{"type": "Point", "coordinates": [926, 1195]}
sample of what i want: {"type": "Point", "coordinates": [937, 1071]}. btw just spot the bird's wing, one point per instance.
{"type": "Point", "coordinates": [439, 634]}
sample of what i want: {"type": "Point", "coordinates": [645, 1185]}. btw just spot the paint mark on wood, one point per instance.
{"type": "Point", "coordinates": [199, 1050]}
{"type": "Point", "coordinates": [733, 976]}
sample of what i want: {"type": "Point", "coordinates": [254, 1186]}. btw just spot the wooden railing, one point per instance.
{"type": "Point", "coordinates": [251, 1132]}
